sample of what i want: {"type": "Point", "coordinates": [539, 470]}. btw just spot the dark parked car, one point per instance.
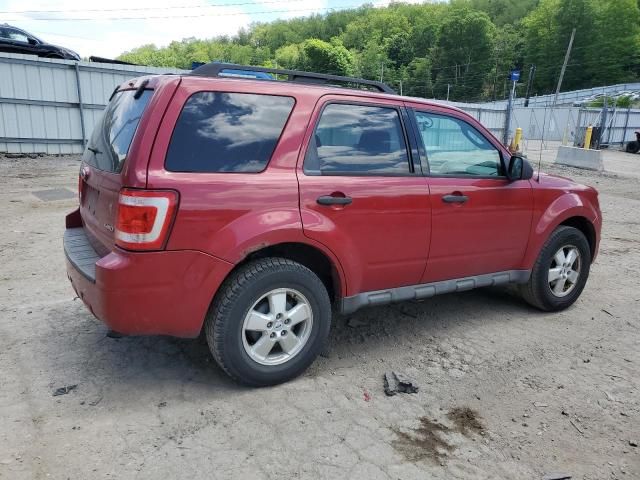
{"type": "Point", "coordinates": [15, 40]}
{"type": "Point", "coordinates": [246, 208]}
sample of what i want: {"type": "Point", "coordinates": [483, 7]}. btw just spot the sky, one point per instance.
{"type": "Point", "coordinates": [109, 28]}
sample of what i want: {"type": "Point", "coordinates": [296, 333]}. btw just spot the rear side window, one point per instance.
{"type": "Point", "coordinates": [227, 132]}
{"type": "Point", "coordinates": [357, 139]}
{"type": "Point", "coordinates": [111, 138]}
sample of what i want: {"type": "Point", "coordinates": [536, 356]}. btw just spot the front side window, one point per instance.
{"type": "Point", "coordinates": [227, 132]}
{"type": "Point", "coordinates": [456, 148]}
{"type": "Point", "coordinates": [357, 139]}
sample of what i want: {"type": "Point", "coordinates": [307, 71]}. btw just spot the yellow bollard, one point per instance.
{"type": "Point", "coordinates": [587, 138]}
{"type": "Point", "coordinates": [517, 139]}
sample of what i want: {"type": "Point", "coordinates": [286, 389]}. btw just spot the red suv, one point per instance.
{"type": "Point", "coordinates": [246, 208]}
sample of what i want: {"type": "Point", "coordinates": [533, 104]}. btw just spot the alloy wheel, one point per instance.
{"type": "Point", "coordinates": [564, 271]}
{"type": "Point", "coordinates": [277, 326]}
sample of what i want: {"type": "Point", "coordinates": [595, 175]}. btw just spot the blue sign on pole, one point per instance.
{"type": "Point", "coordinates": [515, 75]}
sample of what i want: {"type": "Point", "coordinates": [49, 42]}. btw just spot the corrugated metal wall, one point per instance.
{"type": "Point", "coordinates": [40, 100]}
{"type": "Point", "coordinates": [492, 118]}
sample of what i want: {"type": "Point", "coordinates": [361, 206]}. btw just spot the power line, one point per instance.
{"type": "Point", "coordinates": [198, 15]}
{"type": "Point", "coordinates": [134, 9]}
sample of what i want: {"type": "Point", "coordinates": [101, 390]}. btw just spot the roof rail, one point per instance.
{"type": "Point", "coordinates": [215, 69]}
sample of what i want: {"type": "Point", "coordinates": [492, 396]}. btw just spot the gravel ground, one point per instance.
{"type": "Point", "coordinates": [506, 392]}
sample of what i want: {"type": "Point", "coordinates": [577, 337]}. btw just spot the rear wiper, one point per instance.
{"type": "Point", "coordinates": [140, 89]}
{"type": "Point", "coordinates": [93, 150]}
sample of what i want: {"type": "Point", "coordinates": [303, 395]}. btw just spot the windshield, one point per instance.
{"type": "Point", "coordinates": [112, 136]}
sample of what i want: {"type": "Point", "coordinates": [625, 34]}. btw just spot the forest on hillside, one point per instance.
{"type": "Point", "coordinates": [467, 47]}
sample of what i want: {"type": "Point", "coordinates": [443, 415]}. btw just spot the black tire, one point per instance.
{"type": "Point", "coordinates": [633, 147]}
{"type": "Point", "coordinates": [244, 287]}
{"type": "Point", "coordinates": [537, 291]}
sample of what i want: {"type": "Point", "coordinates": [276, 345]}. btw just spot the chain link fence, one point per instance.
{"type": "Point", "coordinates": [550, 126]}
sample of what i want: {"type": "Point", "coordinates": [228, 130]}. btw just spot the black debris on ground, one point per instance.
{"type": "Point", "coordinates": [396, 382]}
{"type": "Point", "coordinates": [64, 390]}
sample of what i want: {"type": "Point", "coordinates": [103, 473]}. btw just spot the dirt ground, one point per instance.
{"type": "Point", "coordinates": [506, 392]}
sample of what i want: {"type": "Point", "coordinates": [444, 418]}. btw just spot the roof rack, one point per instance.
{"type": "Point", "coordinates": [216, 69]}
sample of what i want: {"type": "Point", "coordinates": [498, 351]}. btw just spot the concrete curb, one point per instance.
{"type": "Point", "coordinates": [579, 157]}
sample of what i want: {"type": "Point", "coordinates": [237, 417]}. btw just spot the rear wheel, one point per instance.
{"type": "Point", "coordinates": [560, 272]}
{"type": "Point", "coordinates": [269, 321]}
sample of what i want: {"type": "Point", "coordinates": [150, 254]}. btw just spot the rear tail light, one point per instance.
{"type": "Point", "coordinates": [145, 218]}
{"type": "Point", "coordinates": [82, 177]}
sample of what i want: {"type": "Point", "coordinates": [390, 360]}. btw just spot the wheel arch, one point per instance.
{"type": "Point", "coordinates": [321, 262]}
{"type": "Point", "coordinates": [569, 209]}
{"type": "Point", "coordinates": [586, 227]}
{"type": "Point", "coordinates": [314, 258]}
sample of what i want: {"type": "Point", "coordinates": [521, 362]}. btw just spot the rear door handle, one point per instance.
{"type": "Point", "coordinates": [455, 198]}
{"type": "Point", "coordinates": [330, 200]}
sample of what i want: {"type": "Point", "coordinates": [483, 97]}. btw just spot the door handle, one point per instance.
{"type": "Point", "coordinates": [330, 200]}
{"type": "Point", "coordinates": [454, 198]}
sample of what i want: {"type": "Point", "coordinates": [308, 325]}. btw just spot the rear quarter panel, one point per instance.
{"type": "Point", "coordinates": [230, 215]}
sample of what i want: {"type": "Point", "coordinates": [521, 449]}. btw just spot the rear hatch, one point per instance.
{"type": "Point", "coordinates": [101, 175]}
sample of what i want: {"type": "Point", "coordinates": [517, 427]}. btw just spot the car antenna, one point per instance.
{"type": "Point", "coordinates": [544, 126]}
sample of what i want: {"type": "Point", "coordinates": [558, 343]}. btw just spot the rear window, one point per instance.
{"type": "Point", "coordinates": [227, 132]}
{"type": "Point", "coordinates": [111, 138]}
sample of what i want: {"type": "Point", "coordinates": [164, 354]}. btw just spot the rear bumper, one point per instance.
{"type": "Point", "coordinates": [144, 293]}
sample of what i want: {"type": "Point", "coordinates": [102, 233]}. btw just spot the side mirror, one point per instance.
{"type": "Point", "coordinates": [519, 169]}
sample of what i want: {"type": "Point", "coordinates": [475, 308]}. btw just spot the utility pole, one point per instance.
{"type": "Point", "coordinates": [514, 76]}
{"type": "Point", "coordinates": [532, 75]}
{"type": "Point", "coordinates": [564, 66]}
{"type": "Point", "coordinates": [382, 71]}
{"type": "Point", "coordinates": [603, 121]}
{"type": "Point", "coordinates": [507, 122]}
{"type": "Point", "coordinates": [400, 87]}
{"type": "Point", "coordinates": [448, 87]}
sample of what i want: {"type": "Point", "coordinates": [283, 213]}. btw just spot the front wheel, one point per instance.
{"type": "Point", "coordinates": [269, 321]}
{"type": "Point", "coordinates": [560, 272]}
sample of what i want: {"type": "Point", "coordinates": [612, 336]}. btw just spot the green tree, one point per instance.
{"type": "Point", "coordinates": [504, 12]}
{"type": "Point", "coordinates": [618, 37]}
{"type": "Point", "coordinates": [370, 61]}
{"type": "Point", "coordinates": [323, 57]}
{"type": "Point", "coordinates": [374, 25]}
{"type": "Point", "coordinates": [288, 56]}
{"type": "Point", "coordinates": [470, 45]}
{"type": "Point", "coordinates": [507, 54]}
{"type": "Point", "coordinates": [400, 49]}
{"type": "Point", "coordinates": [418, 79]}
{"type": "Point", "coordinates": [463, 53]}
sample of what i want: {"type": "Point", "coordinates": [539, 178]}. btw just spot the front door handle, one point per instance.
{"type": "Point", "coordinates": [331, 200]}
{"type": "Point", "coordinates": [455, 198]}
